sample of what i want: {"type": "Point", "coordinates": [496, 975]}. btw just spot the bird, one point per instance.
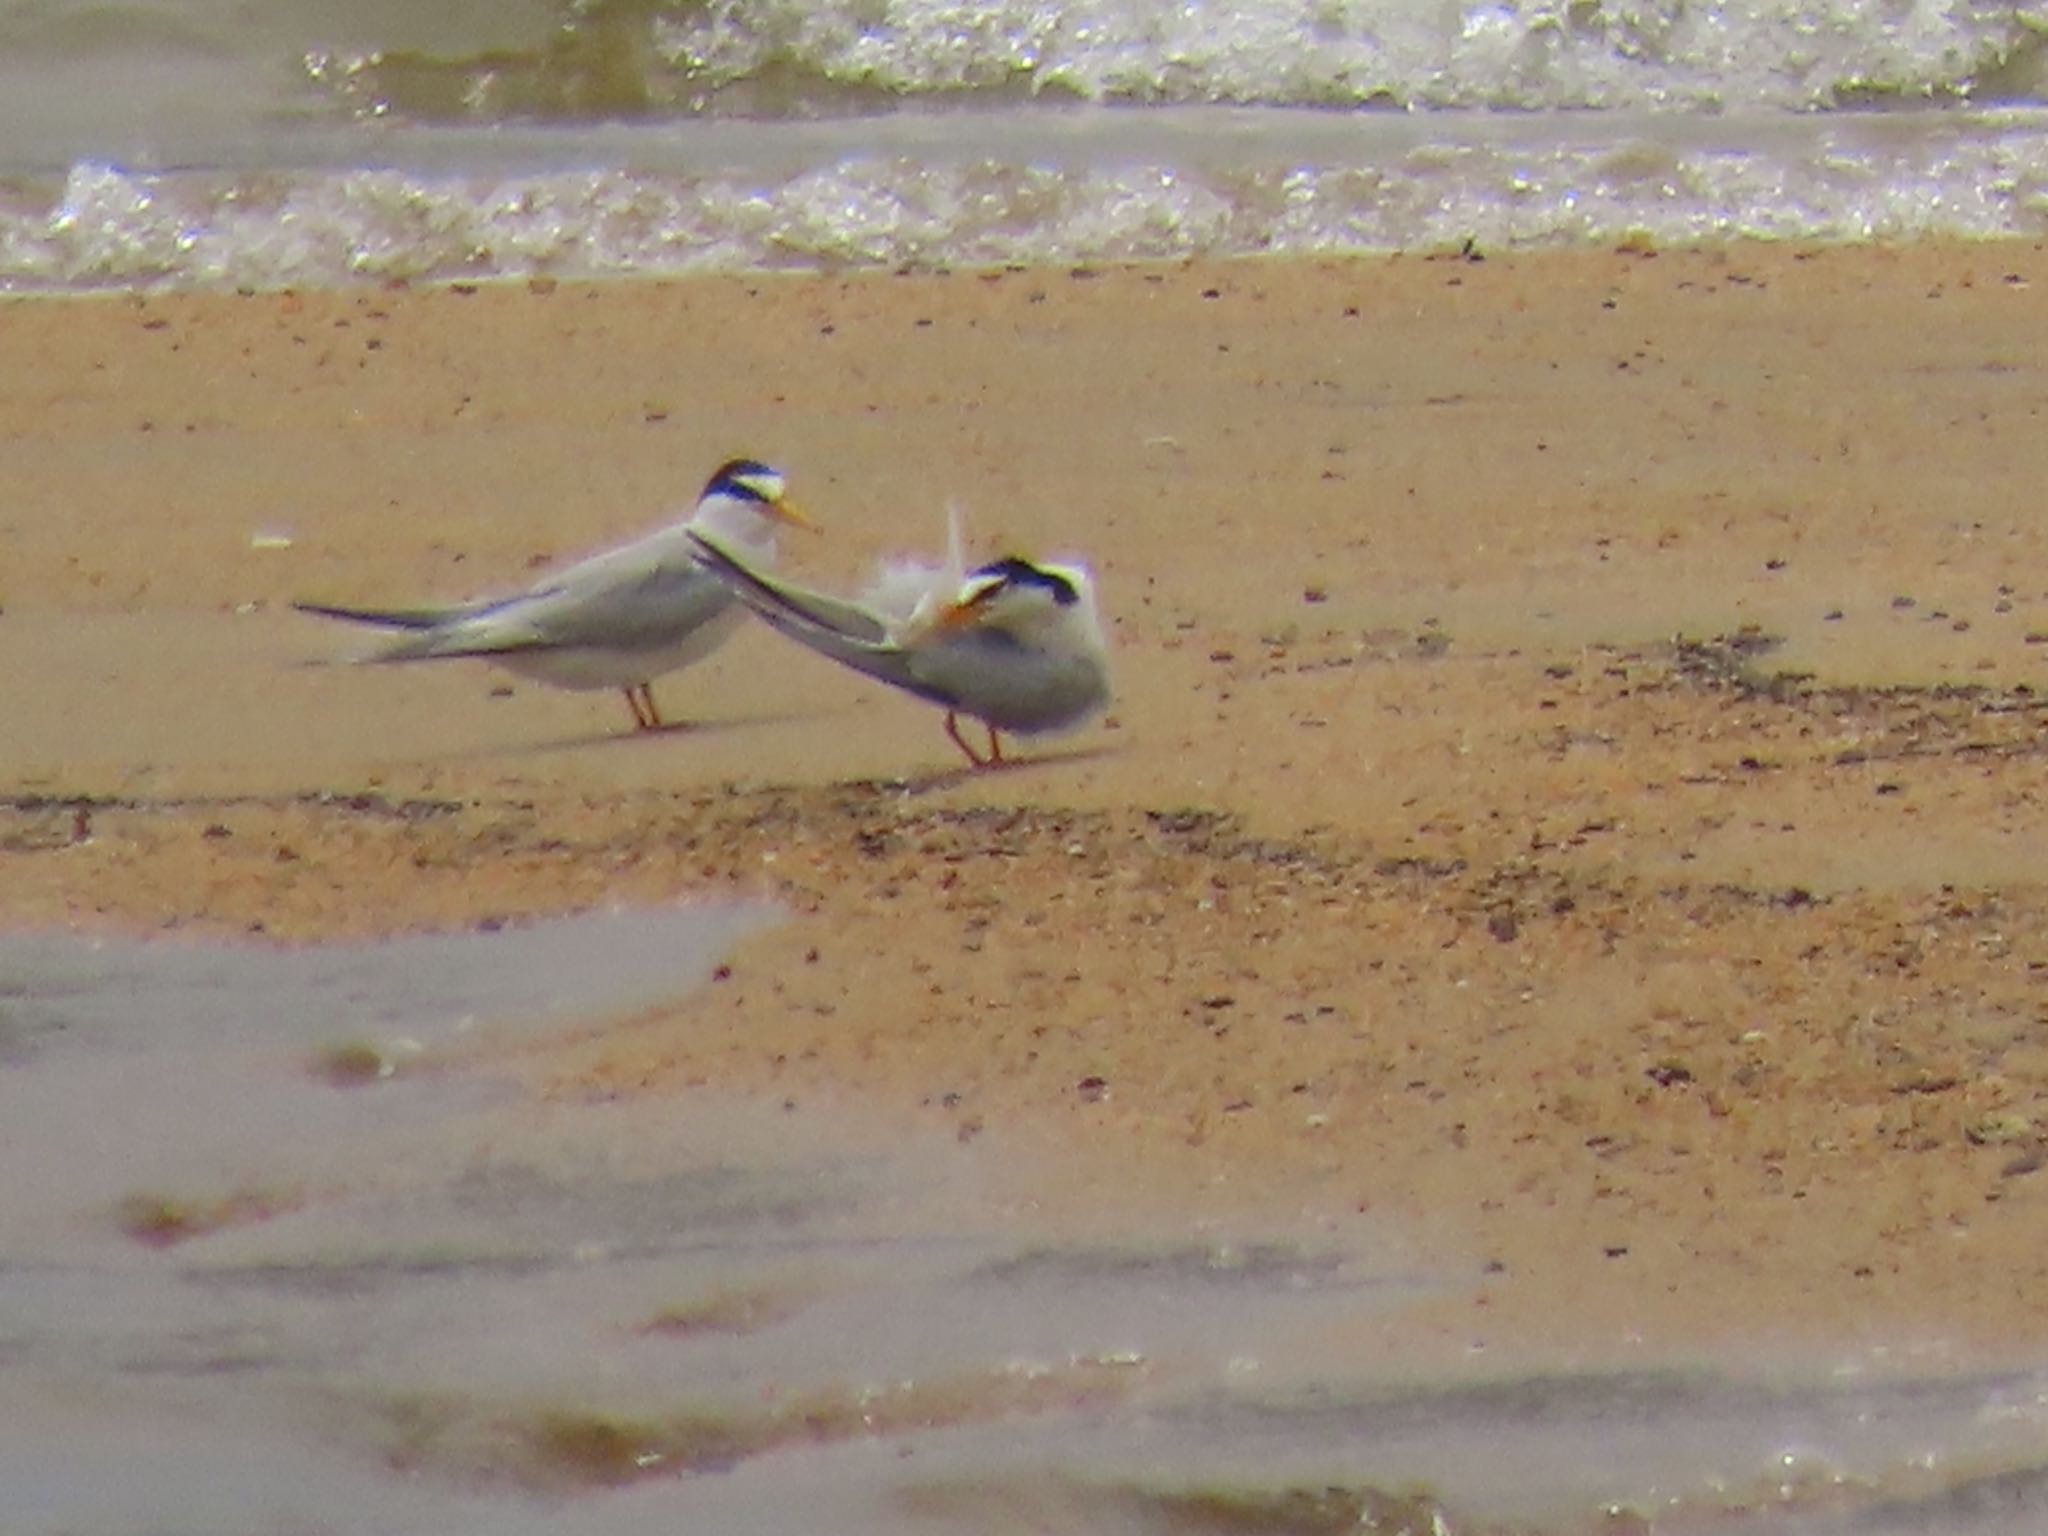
{"type": "Point", "coordinates": [619, 619]}
{"type": "Point", "coordinates": [1015, 644]}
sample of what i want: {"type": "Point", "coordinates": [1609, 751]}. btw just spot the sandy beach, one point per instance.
{"type": "Point", "coordinates": [1574, 791]}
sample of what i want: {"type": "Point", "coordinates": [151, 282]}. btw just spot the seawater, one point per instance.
{"type": "Point", "coordinates": [205, 143]}
{"type": "Point", "coordinates": [287, 1245]}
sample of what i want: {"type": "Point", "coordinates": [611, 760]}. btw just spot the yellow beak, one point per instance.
{"type": "Point", "coordinates": [793, 514]}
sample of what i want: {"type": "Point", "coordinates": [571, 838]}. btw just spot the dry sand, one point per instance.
{"type": "Point", "coordinates": [1575, 788]}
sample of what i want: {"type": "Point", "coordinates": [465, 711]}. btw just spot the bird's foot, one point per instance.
{"type": "Point", "coordinates": [953, 730]}
{"type": "Point", "coordinates": [646, 713]}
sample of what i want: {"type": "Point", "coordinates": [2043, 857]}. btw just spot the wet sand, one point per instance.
{"type": "Point", "coordinates": [1574, 789]}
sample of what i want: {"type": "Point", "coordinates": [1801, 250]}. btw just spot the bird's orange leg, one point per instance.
{"type": "Point", "coordinates": [953, 730]}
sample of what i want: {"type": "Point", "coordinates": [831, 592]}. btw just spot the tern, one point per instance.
{"type": "Point", "coordinates": [619, 619]}
{"type": "Point", "coordinates": [1016, 644]}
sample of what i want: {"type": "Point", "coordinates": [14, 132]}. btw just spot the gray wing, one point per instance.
{"type": "Point", "coordinates": [383, 618]}
{"type": "Point", "coordinates": [652, 608]}
{"type": "Point", "coordinates": [843, 631]}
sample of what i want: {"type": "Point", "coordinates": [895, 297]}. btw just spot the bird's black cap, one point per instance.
{"type": "Point", "coordinates": [1018, 572]}
{"type": "Point", "coordinates": [731, 477]}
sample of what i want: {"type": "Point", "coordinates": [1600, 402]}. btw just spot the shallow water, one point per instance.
{"type": "Point", "coordinates": [285, 1247]}
{"type": "Point", "coordinates": [205, 143]}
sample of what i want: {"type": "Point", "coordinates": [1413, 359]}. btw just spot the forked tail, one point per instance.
{"type": "Point", "coordinates": [380, 618]}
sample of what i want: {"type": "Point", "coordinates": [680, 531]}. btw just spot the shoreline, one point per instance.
{"type": "Point", "coordinates": [1607, 683]}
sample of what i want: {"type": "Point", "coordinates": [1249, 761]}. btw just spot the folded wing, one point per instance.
{"type": "Point", "coordinates": [643, 611]}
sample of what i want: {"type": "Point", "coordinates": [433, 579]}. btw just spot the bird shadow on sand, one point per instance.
{"type": "Point", "coordinates": [668, 732]}
{"type": "Point", "coordinates": [954, 778]}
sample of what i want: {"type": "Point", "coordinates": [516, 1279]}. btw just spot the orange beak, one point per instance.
{"type": "Point", "coordinates": [958, 615]}
{"type": "Point", "coordinates": [793, 514]}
